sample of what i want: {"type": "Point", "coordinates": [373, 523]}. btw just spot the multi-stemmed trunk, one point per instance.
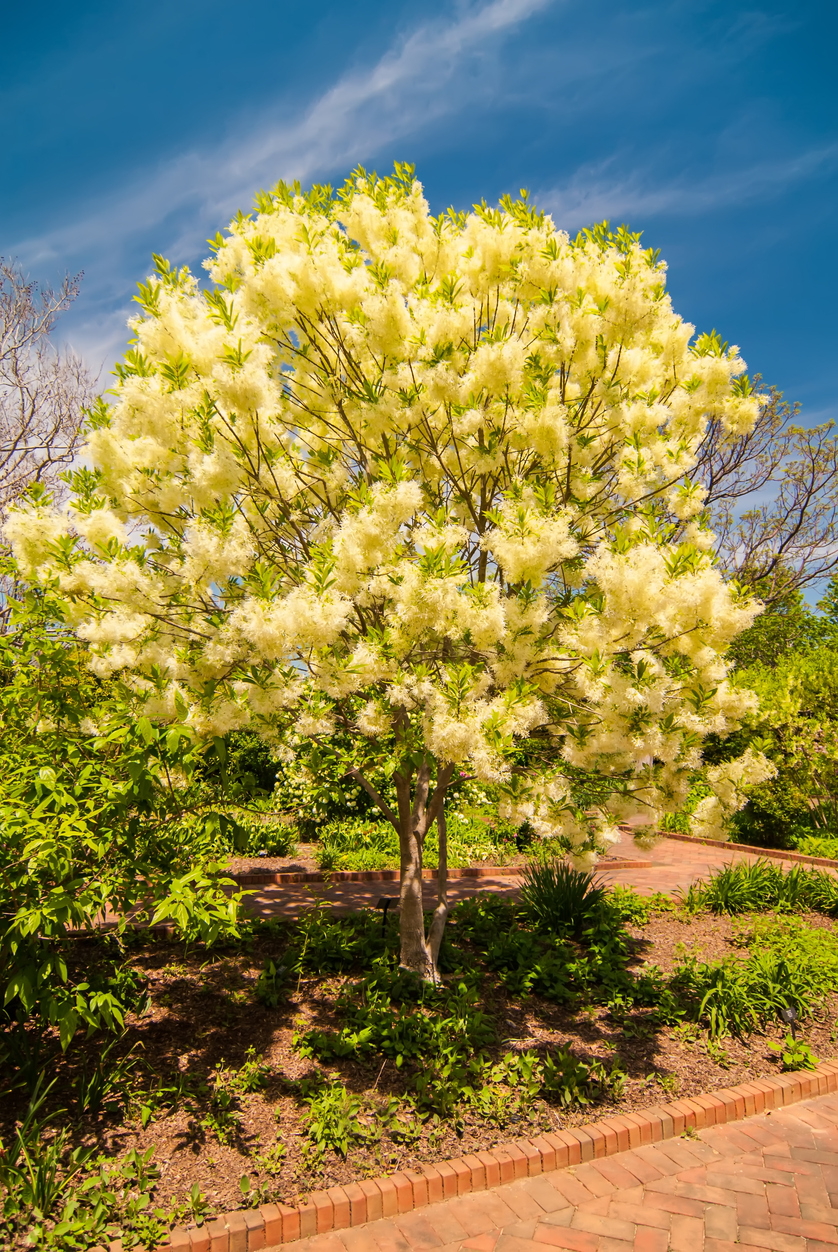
{"type": "Point", "coordinates": [420, 952]}
{"type": "Point", "coordinates": [414, 817]}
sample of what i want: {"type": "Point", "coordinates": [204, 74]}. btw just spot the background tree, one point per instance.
{"type": "Point", "coordinates": [425, 480]}
{"type": "Point", "coordinates": [43, 394]}
{"type": "Point", "coordinates": [43, 390]}
{"type": "Point", "coordinates": [772, 498]}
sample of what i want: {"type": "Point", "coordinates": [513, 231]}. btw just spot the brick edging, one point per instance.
{"type": "Point", "coordinates": [339, 1208]}
{"type": "Point", "coordinates": [775, 854]}
{"type": "Point", "coordinates": [247, 878]}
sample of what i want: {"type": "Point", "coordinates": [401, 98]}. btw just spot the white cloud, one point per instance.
{"type": "Point", "coordinates": [419, 79]}
{"type": "Point", "coordinates": [594, 193]}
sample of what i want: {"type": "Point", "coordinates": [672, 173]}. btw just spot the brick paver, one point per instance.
{"type": "Point", "coordinates": [775, 1186]}
{"type": "Point", "coordinates": [669, 867]}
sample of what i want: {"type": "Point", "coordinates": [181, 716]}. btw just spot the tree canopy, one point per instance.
{"type": "Point", "coordinates": [428, 480]}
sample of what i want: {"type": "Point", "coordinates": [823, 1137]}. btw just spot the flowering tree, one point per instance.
{"type": "Point", "coordinates": [425, 479]}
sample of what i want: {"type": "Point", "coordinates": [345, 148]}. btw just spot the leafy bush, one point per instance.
{"type": "Point", "coordinates": [92, 819]}
{"type": "Point", "coordinates": [797, 728]}
{"type": "Point", "coordinates": [62, 1199]}
{"type": "Point", "coordinates": [794, 1054]}
{"type": "Point", "coordinates": [558, 898]}
{"type": "Point", "coordinates": [817, 845]}
{"type": "Point", "coordinates": [323, 943]}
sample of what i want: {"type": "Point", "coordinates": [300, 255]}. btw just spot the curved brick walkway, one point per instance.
{"type": "Point", "coordinates": [767, 1182]}
{"type": "Point", "coordinates": [669, 867]}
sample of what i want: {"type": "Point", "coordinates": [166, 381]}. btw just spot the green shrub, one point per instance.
{"type": "Point", "coordinates": [571, 1081]}
{"type": "Point", "coordinates": [794, 1054]}
{"type": "Point", "coordinates": [777, 814]}
{"type": "Point", "coordinates": [558, 898]}
{"type": "Point", "coordinates": [332, 1121]}
{"type": "Point", "coordinates": [825, 845]}
{"type": "Point", "coordinates": [324, 944]}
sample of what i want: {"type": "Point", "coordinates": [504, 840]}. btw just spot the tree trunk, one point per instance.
{"type": "Point", "coordinates": [440, 916]}
{"type": "Point", "coordinates": [414, 952]}
{"type": "Point", "coordinates": [418, 953]}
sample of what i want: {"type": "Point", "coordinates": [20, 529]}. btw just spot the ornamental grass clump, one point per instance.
{"type": "Point", "coordinates": [558, 898]}
{"type": "Point", "coordinates": [417, 488]}
{"type": "Point", "coordinates": [757, 886]}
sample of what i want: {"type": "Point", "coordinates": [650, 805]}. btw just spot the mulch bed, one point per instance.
{"type": "Point", "coordinates": [203, 1011]}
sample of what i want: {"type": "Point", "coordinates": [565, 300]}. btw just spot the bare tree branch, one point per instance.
{"type": "Point", "coordinates": [43, 391]}
{"type": "Point", "coordinates": [789, 539]}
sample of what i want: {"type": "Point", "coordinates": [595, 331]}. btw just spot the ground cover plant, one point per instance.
{"type": "Point", "coordinates": [362, 844]}
{"type": "Point", "coordinates": [299, 1054]}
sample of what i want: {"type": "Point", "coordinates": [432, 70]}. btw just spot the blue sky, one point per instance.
{"type": "Point", "coordinates": [711, 126]}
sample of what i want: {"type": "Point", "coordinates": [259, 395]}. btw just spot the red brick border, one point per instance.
{"type": "Point", "coordinates": [257, 878]}
{"type": "Point", "coordinates": [368, 1200]}
{"type": "Point", "coordinates": [775, 854]}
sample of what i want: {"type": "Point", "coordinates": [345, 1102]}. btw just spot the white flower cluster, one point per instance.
{"type": "Point", "coordinates": [729, 782]}
{"type": "Point", "coordinates": [424, 476]}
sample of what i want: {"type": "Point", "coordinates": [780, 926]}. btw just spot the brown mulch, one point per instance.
{"type": "Point", "coordinates": [303, 861]}
{"type": "Point", "coordinates": [202, 1011]}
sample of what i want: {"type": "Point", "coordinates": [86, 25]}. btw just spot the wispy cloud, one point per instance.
{"type": "Point", "coordinates": [596, 192]}
{"type": "Point", "coordinates": [419, 79]}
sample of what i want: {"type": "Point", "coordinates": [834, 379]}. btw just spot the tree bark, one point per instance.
{"type": "Point", "coordinates": [440, 916]}
{"type": "Point", "coordinates": [414, 953]}
{"type": "Point", "coordinates": [418, 953]}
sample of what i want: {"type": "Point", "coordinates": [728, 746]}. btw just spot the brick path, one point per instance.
{"type": "Point", "coordinates": [767, 1182]}
{"type": "Point", "coordinates": [671, 866]}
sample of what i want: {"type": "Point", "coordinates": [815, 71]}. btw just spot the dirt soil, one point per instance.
{"type": "Point", "coordinates": [202, 1011]}
{"type": "Point", "coordinates": [303, 861]}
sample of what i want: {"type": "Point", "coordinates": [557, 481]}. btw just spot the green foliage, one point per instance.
{"type": "Point", "coordinates": [818, 845]}
{"type": "Point", "coordinates": [680, 820]}
{"type": "Point", "coordinates": [794, 1054]}
{"type": "Point", "coordinates": [323, 943]}
{"type": "Point", "coordinates": [438, 1038]}
{"type": "Point", "coordinates": [105, 1081]}
{"type": "Point", "coordinates": [778, 813]}
{"type": "Point", "coordinates": [790, 966]}
{"type": "Point", "coordinates": [748, 887]}
{"type": "Point", "coordinates": [270, 985]}
{"type": "Point", "coordinates": [370, 843]}
{"type": "Point", "coordinates": [797, 728]}
{"type": "Point", "coordinates": [635, 909]}
{"type": "Point", "coordinates": [36, 1168]}
{"type": "Point", "coordinates": [558, 898]}
{"type": "Point", "coordinates": [315, 790]}
{"type": "Point", "coordinates": [223, 1118]}
{"type": "Point", "coordinates": [246, 764]}
{"type": "Point", "coordinates": [571, 1081]}
{"type": "Point", "coordinates": [789, 657]}
{"type": "Point", "coordinates": [63, 1198]}
{"type": "Point", "coordinates": [95, 809]}
{"type": "Point", "coordinates": [333, 1120]}
{"type": "Point", "coordinates": [440, 1022]}
{"type": "Point", "coordinates": [786, 627]}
